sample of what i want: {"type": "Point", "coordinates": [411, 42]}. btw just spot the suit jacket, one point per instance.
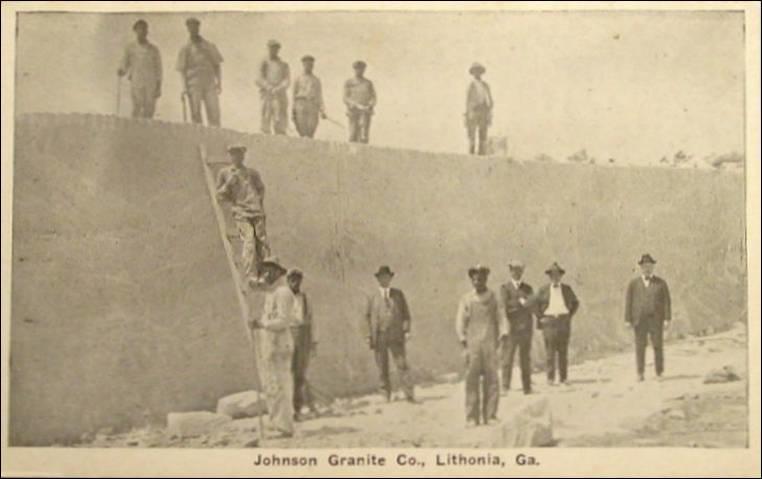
{"type": "Point", "coordinates": [519, 316]}
{"type": "Point", "coordinates": [542, 300]}
{"type": "Point", "coordinates": [394, 327]}
{"type": "Point", "coordinates": [652, 303]}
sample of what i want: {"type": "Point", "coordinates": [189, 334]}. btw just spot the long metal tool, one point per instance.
{"type": "Point", "coordinates": [244, 305]}
{"type": "Point", "coordinates": [118, 93]}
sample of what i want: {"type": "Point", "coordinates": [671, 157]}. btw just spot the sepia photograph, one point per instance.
{"type": "Point", "coordinates": [353, 238]}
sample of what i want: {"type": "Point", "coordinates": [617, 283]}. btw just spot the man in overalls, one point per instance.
{"type": "Point", "coordinates": [480, 325]}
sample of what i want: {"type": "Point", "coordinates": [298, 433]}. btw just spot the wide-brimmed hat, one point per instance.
{"type": "Point", "coordinates": [294, 272]}
{"type": "Point", "coordinates": [646, 258]}
{"type": "Point", "coordinates": [193, 20]}
{"type": "Point", "coordinates": [515, 264]}
{"type": "Point", "coordinates": [274, 261]}
{"type": "Point", "coordinates": [236, 147]}
{"type": "Point", "coordinates": [477, 269]}
{"type": "Point", "coordinates": [383, 270]}
{"type": "Point", "coordinates": [555, 268]}
{"type": "Point", "coordinates": [476, 66]}
{"type": "Point", "coordinates": [273, 43]}
{"type": "Point", "coordinates": [359, 64]}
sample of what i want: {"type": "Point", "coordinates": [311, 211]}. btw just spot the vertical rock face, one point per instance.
{"type": "Point", "coordinates": [123, 308]}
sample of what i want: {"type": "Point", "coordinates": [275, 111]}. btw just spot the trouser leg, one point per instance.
{"type": "Point", "coordinates": [194, 100]}
{"type": "Point", "coordinates": [382, 362]}
{"type": "Point", "coordinates": [137, 95]}
{"type": "Point", "coordinates": [641, 340]}
{"type": "Point", "coordinates": [246, 233]}
{"type": "Point", "coordinates": [400, 362]}
{"type": "Point", "coordinates": [354, 127]}
{"type": "Point", "coordinates": [279, 390]}
{"type": "Point", "coordinates": [298, 368]}
{"type": "Point", "coordinates": [472, 383]}
{"type": "Point", "coordinates": [490, 383]}
{"type": "Point", "coordinates": [212, 106]}
{"type": "Point", "coordinates": [508, 353]}
{"type": "Point", "coordinates": [261, 244]}
{"type": "Point", "coordinates": [280, 115]}
{"type": "Point", "coordinates": [657, 342]}
{"type": "Point", "coordinates": [525, 361]}
{"type": "Point", "coordinates": [471, 132]}
{"type": "Point", "coordinates": [563, 354]}
{"type": "Point", "coordinates": [265, 115]}
{"type": "Point", "coordinates": [364, 134]}
{"type": "Point", "coordinates": [549, 335]}
{"type": "Point", "coordinates": [149, 107]}
{"type": "Point", "coordinates": [482, 139]}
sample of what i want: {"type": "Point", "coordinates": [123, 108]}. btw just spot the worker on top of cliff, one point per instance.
{"type": "Point", "coordinates": [199, 64]}
{"type": "Point", "coordinates": [360, 99]}
{"type": "Point", "coordinates": [478, 114]}
{"type": "Point", "coordinates": [308, 100]}
{"type": "Point", "coordinates": [243, 188]}
{"type": "Point", "coordinates": [141, 63]}
{"type": "Point", "coordinates": [273, 80]}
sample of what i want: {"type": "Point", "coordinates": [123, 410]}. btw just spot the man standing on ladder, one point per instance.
{"type": "Point", "coordinates": [244, 189]}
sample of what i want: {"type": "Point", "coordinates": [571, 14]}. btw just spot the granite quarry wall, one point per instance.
{"type": "Point", "coordinates": [123, 307]}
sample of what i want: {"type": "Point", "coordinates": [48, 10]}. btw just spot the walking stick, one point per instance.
{"type": "Point", "coordinates": [118, 93]}
{"type": "Point", "coordinates": [244, 305]}
{"type": "Point", "coordinates": [331, 120]}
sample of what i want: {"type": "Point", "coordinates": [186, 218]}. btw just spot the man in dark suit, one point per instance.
{"type": "Point", "coordinates": [556, 304]}
{"type": "Point", "coordinates": [387, 318]}
{"type": "Point", "coordinates": [515, 295]}
{"type": "Point", "coordinates": [648, 310]}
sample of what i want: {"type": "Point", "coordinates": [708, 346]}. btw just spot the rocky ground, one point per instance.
{"type": "Point", "coordinates": [602, 406]}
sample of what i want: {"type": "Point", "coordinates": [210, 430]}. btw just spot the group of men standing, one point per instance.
{"type": "Point", "coordinates": [199, 64]}
{"type": "Point", "coordinates": [492, 327]}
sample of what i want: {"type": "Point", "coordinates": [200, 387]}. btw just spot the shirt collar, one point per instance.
{"type": "Point", "coordinates": [517, 284]}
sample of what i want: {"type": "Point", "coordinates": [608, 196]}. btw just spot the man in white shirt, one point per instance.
{"type": "Point", "coordinates": [555, 305]}
{"type": "Point", "coordinates": [275, 347]}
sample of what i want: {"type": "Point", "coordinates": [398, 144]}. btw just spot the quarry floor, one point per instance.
{"type": "Point", "coordinates": [602, 406]}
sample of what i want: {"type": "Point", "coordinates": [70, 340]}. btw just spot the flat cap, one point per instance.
{"type": "Point", "coordinates": [477, 269]}
{"type": "Point", "coordinates": [308, 58]}
{"type": "Point", "coordinates": [236, 147]}
{"type": "Point", "coordinates": [294, 272]}
{"type": "Point", "coordinates": [273, 43]}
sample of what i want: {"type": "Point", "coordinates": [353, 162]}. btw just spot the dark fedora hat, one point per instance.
{"type": "Point", "coordinates": [477, 269]}
{"type": "Point", "coordinates": [646, 258]}
{"type": "Point", "coordinates": [384, 270]}
{"type": "Point", "coordinates": [555, 268]}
